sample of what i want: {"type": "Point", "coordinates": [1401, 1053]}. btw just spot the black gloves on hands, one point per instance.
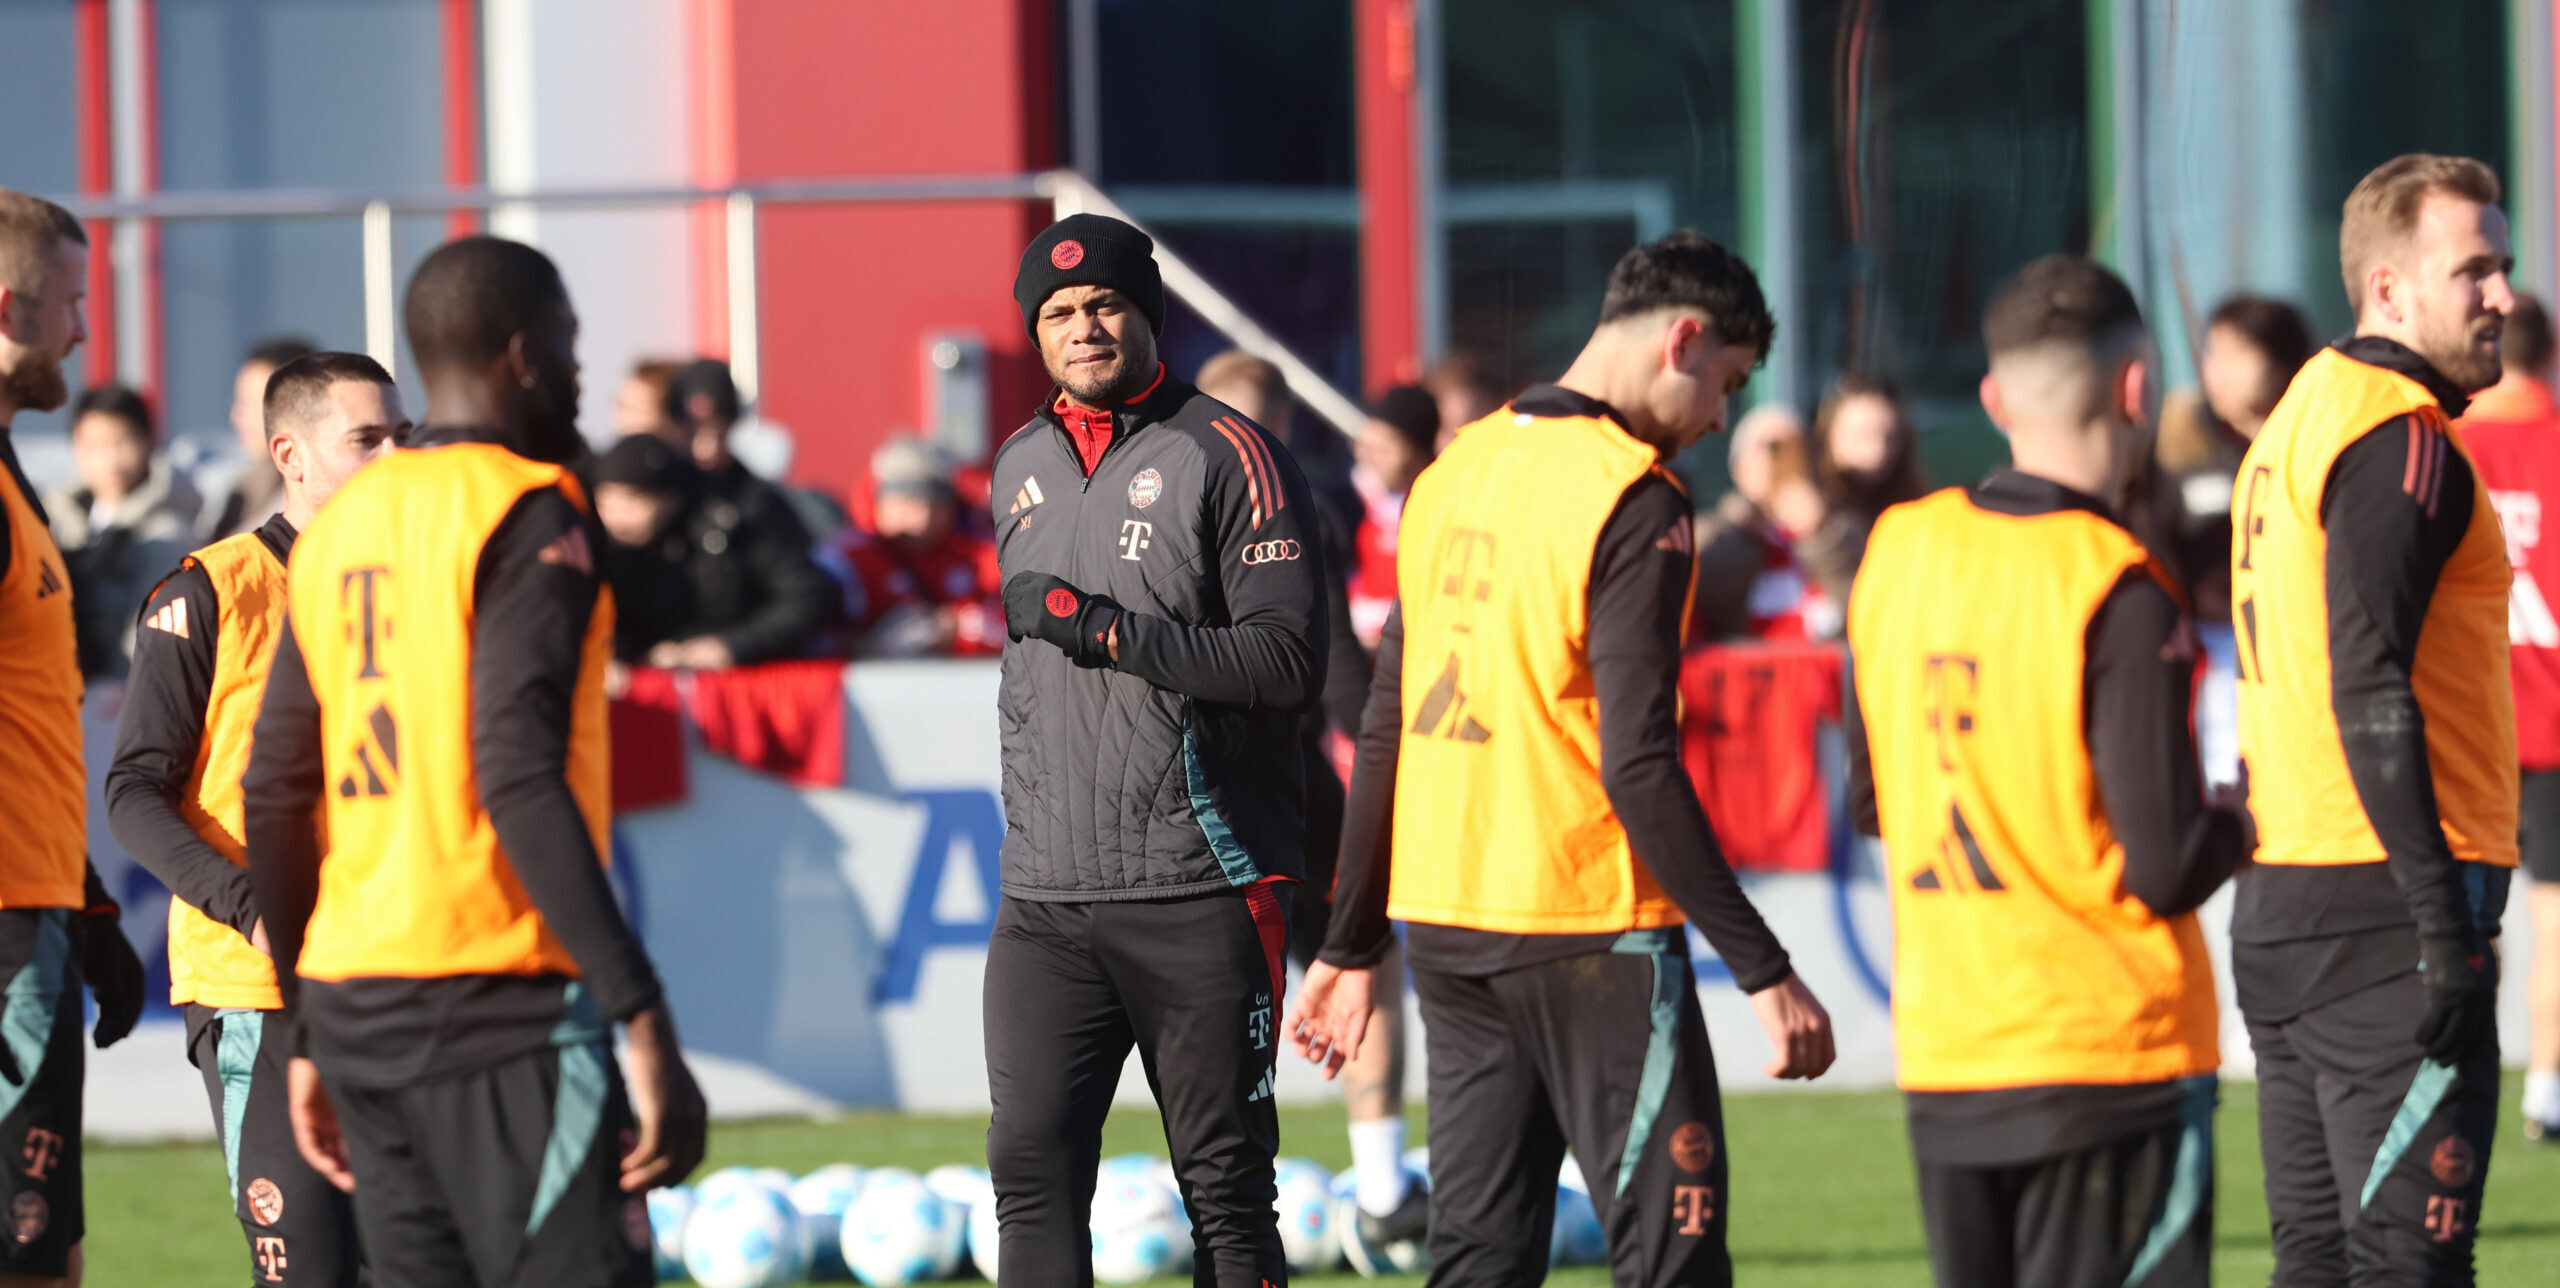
{"type": "Point", "coordinates": [1039, 606]}
{"type": "Point", "coordinates": [114, 972]}
{"type": "Point", "coordinates": [2462, 1001]}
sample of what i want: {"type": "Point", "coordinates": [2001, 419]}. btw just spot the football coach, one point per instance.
{"type": "Point", "coordinates": [1162, 592]}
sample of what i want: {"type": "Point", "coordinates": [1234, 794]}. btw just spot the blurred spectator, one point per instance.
{"type": "Point", "coordinates": [703, 411]}
{"type": "Point", "coordinates": [697, 582]}
{"type": "Point", "coordinates": [640, 406]}
{"type": "Point", "coordinates": [1463, 386]}
{"type": "Point", "coordinates": [915, 583]}
{"type": "Point", "coordinates": [1751, 584]}
{"type": "Point", "coordinates": [2252, 347]}
{"type": "Point", "coordinates": [1865, 458]}
{"type": "Point", "coordinates": [258, 493]}
{"type": "Point", "coordinates": [2523, 392]}
{"type": "Point", "coordinates": [123, 527]}
{"type": "Point", "coordinates": [1260, 394]}
{"type": "Point", "coordinates": [1401, 436]}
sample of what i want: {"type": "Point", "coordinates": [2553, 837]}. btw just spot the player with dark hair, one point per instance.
{"type": "Point", "coordinates": [58, 928]}
{"type": "Point", "coordinates": [173, 797]}
{"type": "Point", "coordinates": [1521, 751]}
{"type": "Point", "coordinates": [453, 964]}
{"type": "Point", "coordinates": [2369, 587]}
{"type": "Point", "coordinates": [2019, 739]}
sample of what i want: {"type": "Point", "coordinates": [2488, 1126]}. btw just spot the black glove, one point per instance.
{"type": "Point", "coordinates": [1039, 606]}
{"type": "Point", "coordinates": [114, 972]}
{"type": "Point", "coordinates": [2462, 1001]}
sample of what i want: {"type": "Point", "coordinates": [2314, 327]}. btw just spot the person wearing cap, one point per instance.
{"type": "Point", "coordinates": [1163, 600]}
{"type": "Point", "coordinates": [699, 581]}
{"type": "Point", "coordinates": [915, 583]}
{"type": "Point", "coordinates": [1401, 436]}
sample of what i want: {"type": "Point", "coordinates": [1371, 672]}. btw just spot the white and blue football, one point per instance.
{"type": "Point", "coordinates": [745, 1236]}
{"type": "Point", "coordinates": [728, 1178]}
{"type": "Point", "coordinates": [982, 1236]}
{"type": "Point", "coordinates": [960, 1183]}
{"type": "Point", "coordinates": [668, 1209]}
{"type": "Point", "coordinates": [821, 1198]}
{"type": "Point", "coordinates": [899, 1232]}
{"type": "Point", "coordinates": [1139, 1230]}
{"type": "Point", "coordinates": [1578, 1239]}
{"type": "Point", "coordinates": [1307, 1234]}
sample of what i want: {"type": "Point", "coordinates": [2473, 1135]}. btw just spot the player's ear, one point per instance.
{"type": "Point", "coordinates": [287, 455]}
{"type": "Point", "coordinates": [2382, 287]}
{"type": "Point", "coordinates": [2133, 390]}
{"type": "Point", "coordinates": [519, 360]}
{"type": "Point", "coordinates": [1683, 344]}
{"type": "Point", "coordinates": [1992, 405]}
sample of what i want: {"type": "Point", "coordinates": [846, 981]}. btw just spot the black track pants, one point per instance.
{"type": "Point", "coordinates": [1194, 985]}
{"type": "Point", "coordinates": [2375, 1158]}
{"type": "Point", "coordinates": [300, 1229]}
{"type": "Point", "coordinates": [1606, 1054]}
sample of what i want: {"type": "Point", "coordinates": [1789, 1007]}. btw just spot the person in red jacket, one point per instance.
{"type": "Point", "coordinates": [2513, 431]}
{"type": "Point", "coordinates": [915, 583]}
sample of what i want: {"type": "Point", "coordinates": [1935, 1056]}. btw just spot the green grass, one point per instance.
{"type": "Point", "coordinates": [1822, 1188]}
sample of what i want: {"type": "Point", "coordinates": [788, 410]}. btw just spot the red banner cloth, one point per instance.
{"type": "Point", "coordinates": [648, 743]}
{"type": "Point", "coordinates": [783, 718]}
{"type": "Point", "coordinates": [1749, 717]}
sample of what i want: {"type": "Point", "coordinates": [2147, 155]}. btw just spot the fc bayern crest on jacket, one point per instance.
{"type": "Point", "coordinates": [1145, 487]}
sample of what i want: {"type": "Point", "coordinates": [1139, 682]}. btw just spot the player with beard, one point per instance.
{"type": "Point", "coordinates": [451, 968]}
{"type": "Point", "coordinates": [57, 925]}
{"type": "Point", "coordinates": [1167, 620]}
{"type": "Point", "coordinates": [2369, 590]}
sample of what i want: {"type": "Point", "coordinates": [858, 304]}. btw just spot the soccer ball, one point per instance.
{"type": "Point", "coordinates": [960, 1183]}
{"type": "Point", "coordinates": [728, 1178]}
{"type": "Point", "coordinates": [1405, 1256]}
{"type": "Point", "coordinates": [1139, 1230]}
{"type": "Point", "coordinates": [745, 1236]}
{"type": "Point", "coordinates": [982, 1235]}
{"type": "Point", "coordinates": [1578, 1239]}
{"type": "Point", "coordinates": [821, 1198]}
{"type": "Point", "coordinates": [1307, 1232]}
{"type": "Point", "coordinates": [899, 1232]}
{"type": "Point", "coordinates": [668, 1209]}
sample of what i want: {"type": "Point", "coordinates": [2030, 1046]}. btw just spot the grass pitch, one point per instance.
{"type": "Point", "coordinates": [1821, 1182]}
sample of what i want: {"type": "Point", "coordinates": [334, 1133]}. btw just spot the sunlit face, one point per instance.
{"type": "Point", "coordinates": [914, 520]}
{"type": "Point", "coordinates": [249, 408]}
{"type": "Point", "coordinates": [1696, 381]}
{"type": "Point", "coordinates": [363, 422]}
{"type": "Point", "coordinates": [1095, 343]}
{"type": "Point", "coordinates": [41, 326]}
{"type": "Point", "coordinates": [633, 516]}
{"type": "Point", "coordinates": [2452, 287]}
{"type": "Point", "coordinates": [110, 454]}
{"type": "Point", "coordinates": [1864, 432]}
{"type": "Point", "coordinates": [639, 407]}
{"type": "Point", "coordinates": [2240, 382]}
{"type": "Point", "coordinates": [1388, 455]}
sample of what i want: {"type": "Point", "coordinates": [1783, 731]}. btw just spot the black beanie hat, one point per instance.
{"type": "Point", "coordinates": [1412, 412]}
{"type": "Point", "coordinates": [1090, 250]}
{"type": "Point", "coordinates": [642, 461]}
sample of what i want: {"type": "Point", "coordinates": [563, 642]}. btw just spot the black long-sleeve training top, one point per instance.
{"type": "Point", "coordinates": [529, 623]}
{"type": "Point", "coordinates": [2310, 933]}
{"type": "Point", "coordinates": [158, 736]}
{"type": "Point", "coordinates": [1638, 591]}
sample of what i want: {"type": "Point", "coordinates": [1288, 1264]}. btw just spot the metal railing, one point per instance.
{"type": "Point", "coordinates": [375, 209]}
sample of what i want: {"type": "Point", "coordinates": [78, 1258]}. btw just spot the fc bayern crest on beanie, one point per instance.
{"type": "Point", "coordinates": [1089, 250]}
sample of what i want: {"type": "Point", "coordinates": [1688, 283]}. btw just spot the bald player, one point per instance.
{"type": "Point", "coordinates": [173, 797]}
{"type": "Point", "coordinates": [58, 928]}
{"type": "Point", "coordinates": [456, 959]}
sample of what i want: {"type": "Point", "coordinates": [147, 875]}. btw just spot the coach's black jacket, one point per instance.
{"type": "Point", "coordinates": [1175, 770]}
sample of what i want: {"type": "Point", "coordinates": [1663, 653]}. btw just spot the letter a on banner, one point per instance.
{"type": "Point", "coordinates": [950, 817]}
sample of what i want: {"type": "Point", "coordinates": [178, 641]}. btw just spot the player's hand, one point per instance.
{"type": "Point", "coordinates": [1039, 606]}
{"type": "Point", "coordinates": [1329, 1018]}
{"type": "Point", "coordinates": [674, 1122]}
{"type": "Point", "coordinates": [258, 938]}
{"type": "Point", "coordinates": [114, 972]}
{"type": "Point", "coordinates": [315, 1124]}
{"type": "Point", "coordinates": [705, 653]}
{"type": "Point", "coordinates": [2462, 1005]}
{"type": "Point", "coordinates": [1799, 1029]}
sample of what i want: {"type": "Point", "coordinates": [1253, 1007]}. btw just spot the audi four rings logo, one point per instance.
{"type": "Point", "coordinates": [1263, 552]}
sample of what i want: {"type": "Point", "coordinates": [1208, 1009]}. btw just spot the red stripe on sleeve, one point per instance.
{"type": "Point", "coordinates": [1270, 469]}
{"type": "Point", "coordinates": [1252, 475]}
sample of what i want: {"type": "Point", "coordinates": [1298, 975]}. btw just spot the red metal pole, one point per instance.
{"type": "Point", "coordinates": [462, 108]}
{"type": "Point", "coordinates": [1386, 91]}
{"type": "Point", "coordinates": [96, 128]}
{"type": "Point", "coordinates": [713, 123]}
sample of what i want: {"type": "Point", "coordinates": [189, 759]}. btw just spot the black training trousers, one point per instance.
{"type": "Point", "coordinates": [1194, 985]}
{"type": "Point", "coordinates": [2134, 1212]}
{"type": "Point", "coordinates": [504, 1177]}
{"type": "Point", "coordinates": [2375, 1156]}
{"type": "Point", "coordinates": [300, 1230]}
{"type": "Point", "coordinates": [1606, 1053]}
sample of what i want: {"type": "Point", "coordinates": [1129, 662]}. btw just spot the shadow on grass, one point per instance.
{"type": "Point", "coordinates": [1913, 1254]}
